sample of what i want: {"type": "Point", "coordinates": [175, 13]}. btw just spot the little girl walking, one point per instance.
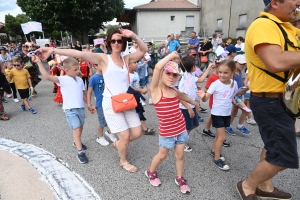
{"type": "Point", "coordinates": [223, 90]}
{"type": "Point", "coordinates": [172, 129]}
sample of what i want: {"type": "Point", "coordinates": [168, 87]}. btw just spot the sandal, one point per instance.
{"type": "Point", "coordinates": [129, 167]}
{"type": "Point", "coordinates": [149, 131]}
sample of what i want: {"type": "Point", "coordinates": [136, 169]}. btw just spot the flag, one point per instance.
{"type": "Point", "coordinates": [31, 27]}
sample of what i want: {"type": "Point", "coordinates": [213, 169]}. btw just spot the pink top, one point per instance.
{"type": "Point", "coordinates": [171, 120]}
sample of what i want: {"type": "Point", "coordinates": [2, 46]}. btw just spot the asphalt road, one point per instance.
{"type": "Point", "coordinates": [49, 130]}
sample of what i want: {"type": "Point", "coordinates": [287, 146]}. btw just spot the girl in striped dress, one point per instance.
{"type": "Point", "coordinates": [172, 129]}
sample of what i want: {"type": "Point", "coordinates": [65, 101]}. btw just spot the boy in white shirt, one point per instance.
{"type": "Point", "coordinates": [72, 89]}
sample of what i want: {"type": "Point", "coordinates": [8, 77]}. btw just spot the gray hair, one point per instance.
{"type": "Point", "coordinates": [268, 7]}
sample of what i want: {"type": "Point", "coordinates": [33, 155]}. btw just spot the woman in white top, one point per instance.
{"type": "Point", "coordinates": [240, 43]}
{"type": "Point", "coordinates": [4, 56]}
{"type": "Point", "coordinates": [126, 124]}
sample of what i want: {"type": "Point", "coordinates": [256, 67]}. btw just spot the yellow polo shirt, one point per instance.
{"type": "Point", "coordinates": [266, 31]}
{"type": "Point", "coordinates": [20, 77]}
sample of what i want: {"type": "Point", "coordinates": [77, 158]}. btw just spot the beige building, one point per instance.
{"type": "Point", "coordinates": [231, 17]}
{"type": "Point", "coordinates": [159, 18]}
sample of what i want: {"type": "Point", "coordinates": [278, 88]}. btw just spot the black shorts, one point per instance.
{"type": "Point", "coordinates": [220, 121]}
{"type": "Point", "coordinates": [190, 122]}
{"type": "Point", "coordinates": [277, 130]}
{"type": "Point", "coordinates": [24, 93]}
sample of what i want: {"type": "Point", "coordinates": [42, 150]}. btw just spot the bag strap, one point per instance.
{"type": "Point", "coordinates": [287, 42]}
{"type": "Point", "coordinates": [128, 76]}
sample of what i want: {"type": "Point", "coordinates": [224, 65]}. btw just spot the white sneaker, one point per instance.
{"type": "Point", "coordinates": [143, 103]}
{"type": "Point", "coordinates": [111, 136]}
{"type": "Point", "coordinates": [9, 96]}
{"type": "Point", "coordinates": [102, 141]}
{"type": "Point", "coordinates": [16, 100]}
{"type": "Point", "coordinates": [251, 121]}
{"type": "Point", "coordinates": [150, 102]}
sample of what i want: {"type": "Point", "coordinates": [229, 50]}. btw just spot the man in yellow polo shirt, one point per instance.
{"type": "Point", "coordinates": [267, 51]}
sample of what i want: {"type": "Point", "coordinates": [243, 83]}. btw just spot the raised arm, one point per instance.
{"type": "Point", "coordinates": [204, 75]}
{"type": "Point", "coordinates": [98, 58]}
{"type": "Point", "coordinates": [158, 67]}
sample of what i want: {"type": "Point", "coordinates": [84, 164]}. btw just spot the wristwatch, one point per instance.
{"type": "Point", "coordinates": [136, 37]}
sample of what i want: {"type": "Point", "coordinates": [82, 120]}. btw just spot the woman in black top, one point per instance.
{"type": "Point", "coordinates": [205, 47]}
{"type": "Point", "coordinates": [78, 46]}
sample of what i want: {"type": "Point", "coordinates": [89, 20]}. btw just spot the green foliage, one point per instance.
{"type": "Point", "coordinates": [13, 24]}
{"type": "Point", "coordinates": [75, 16]}
{"type": "Point", "coordinates": [111, 29]}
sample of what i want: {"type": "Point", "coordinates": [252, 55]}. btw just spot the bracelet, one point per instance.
{"type": "Point", "coordinates": [136, 37]}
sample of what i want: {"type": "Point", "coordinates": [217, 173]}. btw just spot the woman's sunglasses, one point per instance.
{"type": "Point", "coordinates": [26, 46]}
{"type": "Point", "coordinates": [114, 41]}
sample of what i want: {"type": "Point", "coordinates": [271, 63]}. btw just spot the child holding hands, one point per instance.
{"type": "Point", "coordinates": [72, 89]}
{"type": "Point", "coordinates": [172, 129]}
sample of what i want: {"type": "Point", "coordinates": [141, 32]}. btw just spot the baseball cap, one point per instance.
{"type": "Point", "coordinates": [2, 48]}
{"type": "Point", "coordinates": [232, 49]}
{"type": "Point", "coordinates": [172, 67]}
{"type": "Point", "coordinates": [240, 59]}
{"type": "Point", "coordinates": [192, 52]}
{"type": "Point", "coordinates": [267, 2]}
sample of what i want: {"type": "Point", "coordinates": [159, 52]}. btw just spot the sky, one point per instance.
{"type": "Point", "coordinates": [10, 6]}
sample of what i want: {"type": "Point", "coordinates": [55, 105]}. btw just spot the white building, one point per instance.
{"type": "Point", "coordinates": [159, 18]}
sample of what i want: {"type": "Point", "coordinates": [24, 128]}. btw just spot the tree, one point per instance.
{"type": "Point", "coordinates": [13, 24]}
{"type": "Point", "coordinates": [75, 16]}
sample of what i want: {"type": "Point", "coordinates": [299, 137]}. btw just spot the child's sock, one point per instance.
{"type": "Point", "coordinates": [240, 125]}
{"type": "Point", "coordinates": [80, 152]}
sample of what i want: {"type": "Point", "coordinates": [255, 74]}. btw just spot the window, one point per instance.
{"type": "Point", "coordinates": [243, 21]}
{"type": "Point", "coordinates": [172, 18]}
{"type": "Point", "coordinates": [219, 24]}
{"type": "Point", "coordinates": [190, 21]}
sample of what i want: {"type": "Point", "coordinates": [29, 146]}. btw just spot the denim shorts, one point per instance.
{"type": "Point", "coordinates": [170, 142]}
{"type": "Point", "coordinates": [190, 122]}
{"type": "Point", "coordinates": [146, 80]}
{"type": "Point", "coordinates": [101, 118]}
{"type": "Point", "coordinates": [277, 130]}
{"type": "Point", "coordinates": [143, 82]}
{"type": "Point", "coordinates": [220, 121]}
{"type": "Point", "coordinates": [75, 117]}
{"type": "Point", "coordinates": [239, 99]}
{"type": "Point", "coordinates": [247, 96]}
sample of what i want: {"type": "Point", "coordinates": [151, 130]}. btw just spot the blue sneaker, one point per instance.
{"type": "Point", "coordinates": [221, 165]}
{"type": "Point", "coordinates": [244, 130]}
{"type": "Point", "coordinates": [82, 158]}
{"type": "Point", "coordinates": [230, 131]}
{"type": "Point", "coordinates": [200, 119]}
{"type": "Point", "coordinates": [4, 101]}
{"type": "Point", "coordinates": [32, 111]}
{"type": "Point", "coordinates": [23, 108]}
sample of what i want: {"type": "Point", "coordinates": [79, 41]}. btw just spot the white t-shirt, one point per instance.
{"type": "Point", "coordinates": [240, 46]}
{"type": "Point", "coordinates": [187, 85]}
{"type": "Point", "coordinates": [72, 91]}
{"type": "Point", "coordinates": [222, 98]}
{"type": "Point", "coordinates": [134, 80]}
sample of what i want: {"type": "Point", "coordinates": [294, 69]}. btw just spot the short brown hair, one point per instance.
{"type": "Point", "coordinates": [18, 59]}
{"type": "Point", "coordinates": [124, 40]}
{"type": "Point", "coordinates": [69, 62]}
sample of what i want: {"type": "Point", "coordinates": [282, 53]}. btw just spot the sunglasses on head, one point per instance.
{"type": "Point", "coordinates": [114, 41]}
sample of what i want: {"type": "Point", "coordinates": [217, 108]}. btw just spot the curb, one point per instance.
{"type": "Point", "coordinates": [64, 183]}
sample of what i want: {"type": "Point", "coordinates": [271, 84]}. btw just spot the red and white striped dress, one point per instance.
{"type": "Point", "coordinates": [171, 120]}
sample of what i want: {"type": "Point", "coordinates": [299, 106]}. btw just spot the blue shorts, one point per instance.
{"type": "Point", "coordinates": [239, 99]}
{"type": "Point", "coordinates": [143, 82]}
{"type": "Point", "coordinates": [220, 121]}
{"type": "Point", "coordinates": [170, 142]}
{"type": "Point", "coordinates": [147, 80]}
{"type": "Point", "coordinates": [101, 118]}
{"type": "Point", "coordinates": [75, 117]}
{"type": "Point", "coordinates": [247, 96]}
{"type": "Point", "coordinates": [190, 122]}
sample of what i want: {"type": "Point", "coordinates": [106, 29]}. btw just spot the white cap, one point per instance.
{"type": "Point", "coordinates": [240, 59]}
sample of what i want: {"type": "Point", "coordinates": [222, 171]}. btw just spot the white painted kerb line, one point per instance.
{"type": "Point", "coordinates": [63, 182]}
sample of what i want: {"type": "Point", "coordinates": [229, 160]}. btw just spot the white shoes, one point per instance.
{"type": "Point", "coordinates": [111, 136]}
{"type": "Point", "coordinates": [150, 102]}
{"type": "Point", "coordinates": [16, 100]}
{"type": "Point", "coordinates": [102, 141]}
{"type": "Point", "coordinates": [143, 103]}
{"type": "Point", "coordinates": [9, 96]}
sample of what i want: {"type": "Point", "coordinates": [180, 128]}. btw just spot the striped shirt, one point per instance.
{"type": "Point", "coordinates": [171, 120]}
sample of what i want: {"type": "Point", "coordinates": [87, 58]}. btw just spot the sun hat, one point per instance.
{"type": "Point", "coordinates": [172, 67]}
{"type": "Point", "coordinates": [240, 59]}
